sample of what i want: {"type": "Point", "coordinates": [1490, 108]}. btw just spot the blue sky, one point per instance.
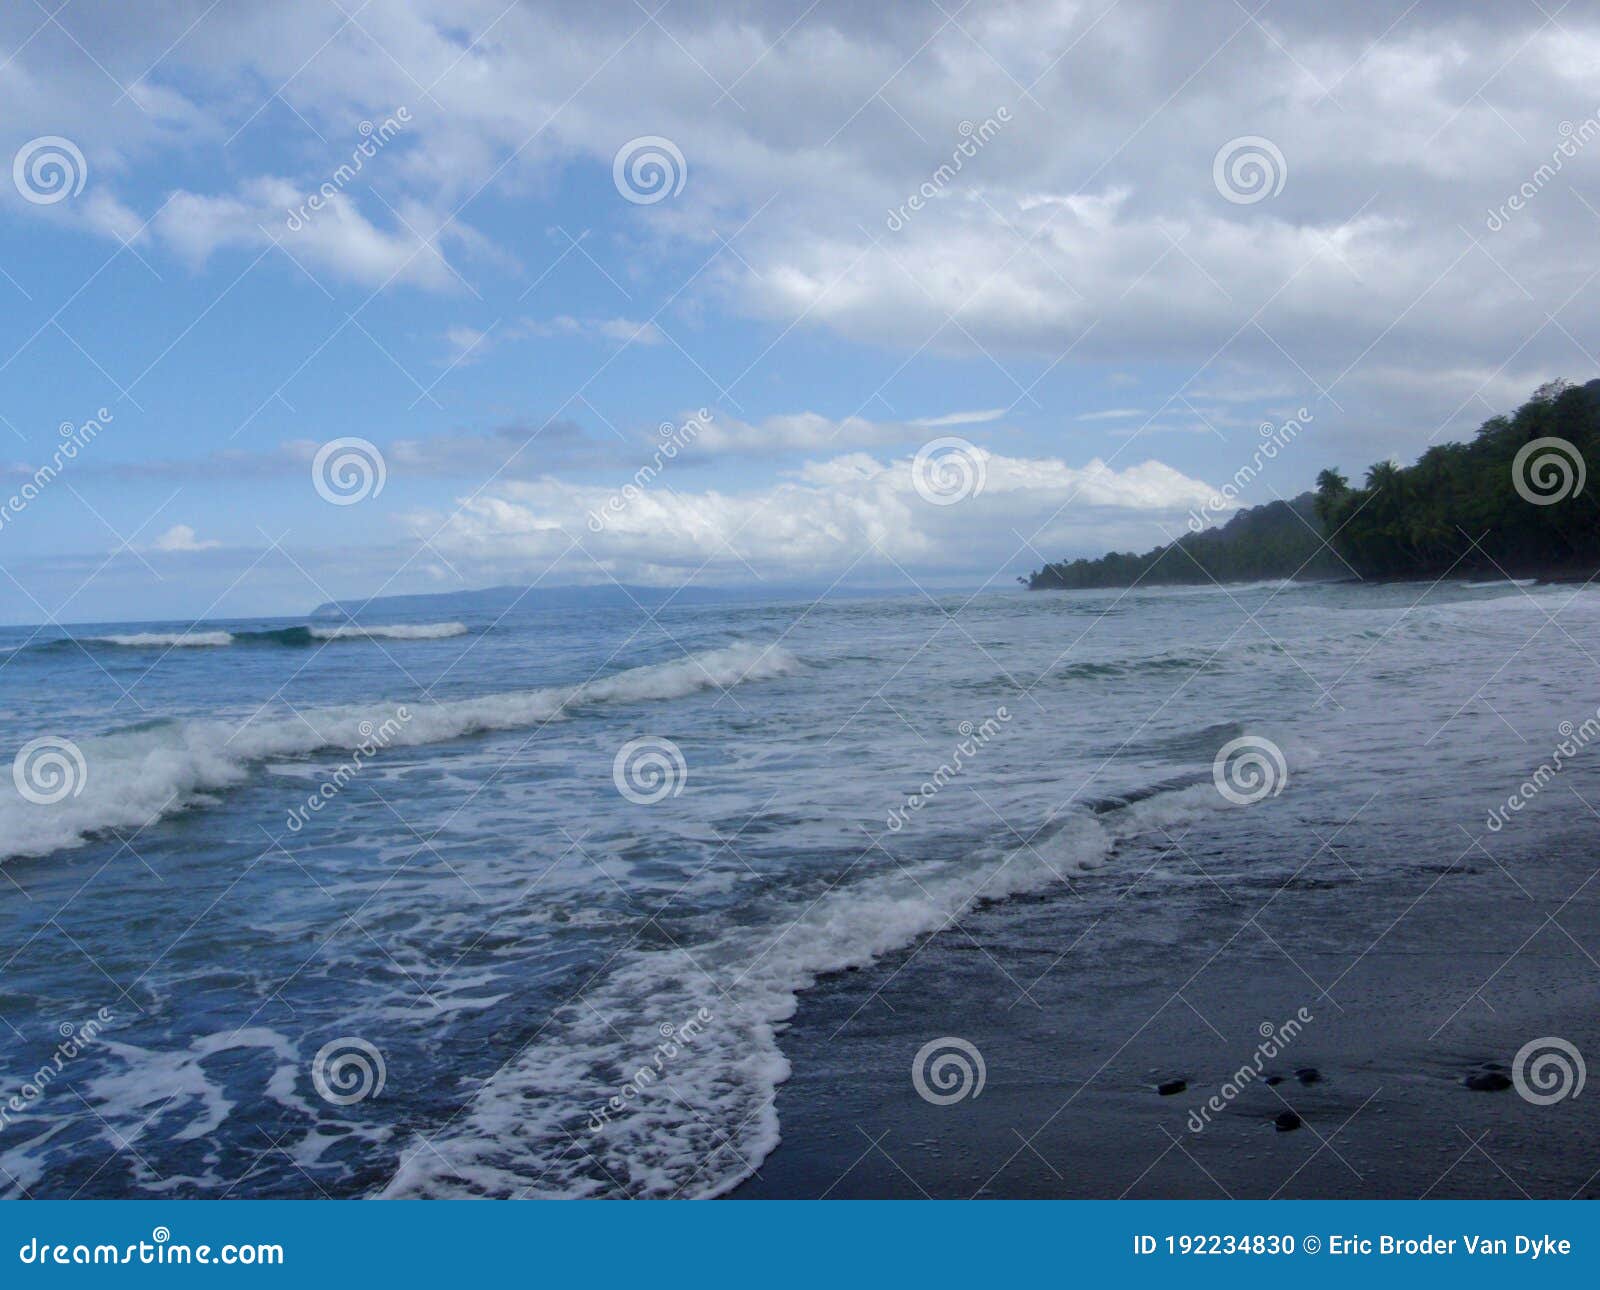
{"type": "Point", "coordinates": [1088, 300]}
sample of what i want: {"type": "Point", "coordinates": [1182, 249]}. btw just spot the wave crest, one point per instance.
{"type": "Point", "coordinates": [141, 775]}
{"type": "Point", "coordinates": [165, 640]}
{"type": "Point", "coordinates": [395, 631]}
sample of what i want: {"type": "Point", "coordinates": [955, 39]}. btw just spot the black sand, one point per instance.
{"type": "Point", "coordinates": [1084, 1001]}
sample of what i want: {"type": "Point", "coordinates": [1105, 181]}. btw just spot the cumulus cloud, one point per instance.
{"type": "Point", "coordinates": [852, 516]}
{"type": "Point", "coordinates": [1427, 259]}
{"type": "Point", "coordinates": [794, 432]}
{"type": "Point", "coordinates": [181, 537]}
{"type": "Point", "coordinates": [1090, 220]}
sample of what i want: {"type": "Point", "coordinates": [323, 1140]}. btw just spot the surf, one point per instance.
{"type": "Point", "coordinates": [132, 778]}
{"type": "Point", "coordinates": [295, 637]}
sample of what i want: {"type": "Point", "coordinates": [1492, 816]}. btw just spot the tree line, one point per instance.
{"type": "Point", "coordinates": [1514, 500]}
{"type": "Point", "coordinates": [1278, 540]}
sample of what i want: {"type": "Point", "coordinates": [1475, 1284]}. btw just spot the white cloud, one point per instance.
{"type": "Point", "coordinates": [337, 240]}
{"type": "Point", "coordinates": [853, 513]}
{"type": "Point", "coordinates": [793, 432]}
{"type": "Point", "coordinates": [812, 432]}
{"type": "Point", "coordinates": [622, 331]}
{"type": "Point", "coordinates": [469, 344]}
{"type": "Point", "coordinates": [180, 537]}
{"type": "Point", "coordinates": [961, 418]}
{"type": "Point", "coordinates": [1088, 229]}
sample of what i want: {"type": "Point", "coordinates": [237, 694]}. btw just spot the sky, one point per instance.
{"type": "Point", "coordinates": [335, 299]}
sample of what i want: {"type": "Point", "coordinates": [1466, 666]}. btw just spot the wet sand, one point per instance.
{"type": "Point", "coordinates": [1084, 1001]}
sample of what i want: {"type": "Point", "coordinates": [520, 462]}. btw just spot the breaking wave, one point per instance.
{"type": "Point", "coordinates": [133, 777]}
{"type": "Point", "coordinates": [525, 1134]}
{"type": "Point", "coordinates": [290, 636]}
{"type": "Point", "coordinates": [160, 640]}
{"type": "Point", "coordinates": [397, 632]}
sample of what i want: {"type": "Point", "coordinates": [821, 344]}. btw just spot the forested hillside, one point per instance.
{"type": "Point", "coordinates": [1278, 540]}
{"type": "Point", "coordinates": [1514, 501]}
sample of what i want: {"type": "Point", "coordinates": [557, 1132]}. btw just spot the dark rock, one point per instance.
{"type": "Point", "coordinates": [1272, 1081]}
{"type": "Point", "coordinates": [1171, 1086]}
{"type": "Point", "coordinates": [1308, 1075]}
{"type": "Point", "coordinates": [1287, 1121]}
{"type": "Point", "coordinates": [1488, 1081]}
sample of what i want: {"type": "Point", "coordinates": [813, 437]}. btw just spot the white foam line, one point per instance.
{"type": "Point", "coordinates": [134, 778]}
{"type": "Point", "coordinates": [397, 631]}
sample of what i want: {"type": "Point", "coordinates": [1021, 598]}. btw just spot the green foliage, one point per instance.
{"type": "Point", "coordinates": [1279, 540]}
{"type": "Point", "coordinates": [1458, 511]}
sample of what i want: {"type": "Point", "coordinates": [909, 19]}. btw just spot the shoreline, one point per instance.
{"type": "Point", "coordinates": [1546, 576]}
{"type": "Point", "coordinates": [1415, 982]}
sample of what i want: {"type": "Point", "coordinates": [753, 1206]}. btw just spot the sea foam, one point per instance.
{"type": "Point", "coordinates": [165, 640]}
{"type": "Point", "coordinates": [276, 635]}
{"type": "Point", "coordinates": [132, 778]}
{"type": "Point", "coordinates": [705, 1120]}
{"type": "Point", "coordinates": [396, 631]}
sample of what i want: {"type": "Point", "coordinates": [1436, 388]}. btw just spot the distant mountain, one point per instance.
{"type": "Point", "coordinates": [611, 595]}
{"type": "Point", "coordinates": [1278, 540]}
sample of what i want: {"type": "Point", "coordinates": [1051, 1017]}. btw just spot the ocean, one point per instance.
{"type": "Point", "coordinates": [461, 905]}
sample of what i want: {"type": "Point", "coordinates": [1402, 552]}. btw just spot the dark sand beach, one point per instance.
{"type": "Point", "coordinates": [1084, 1001]}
